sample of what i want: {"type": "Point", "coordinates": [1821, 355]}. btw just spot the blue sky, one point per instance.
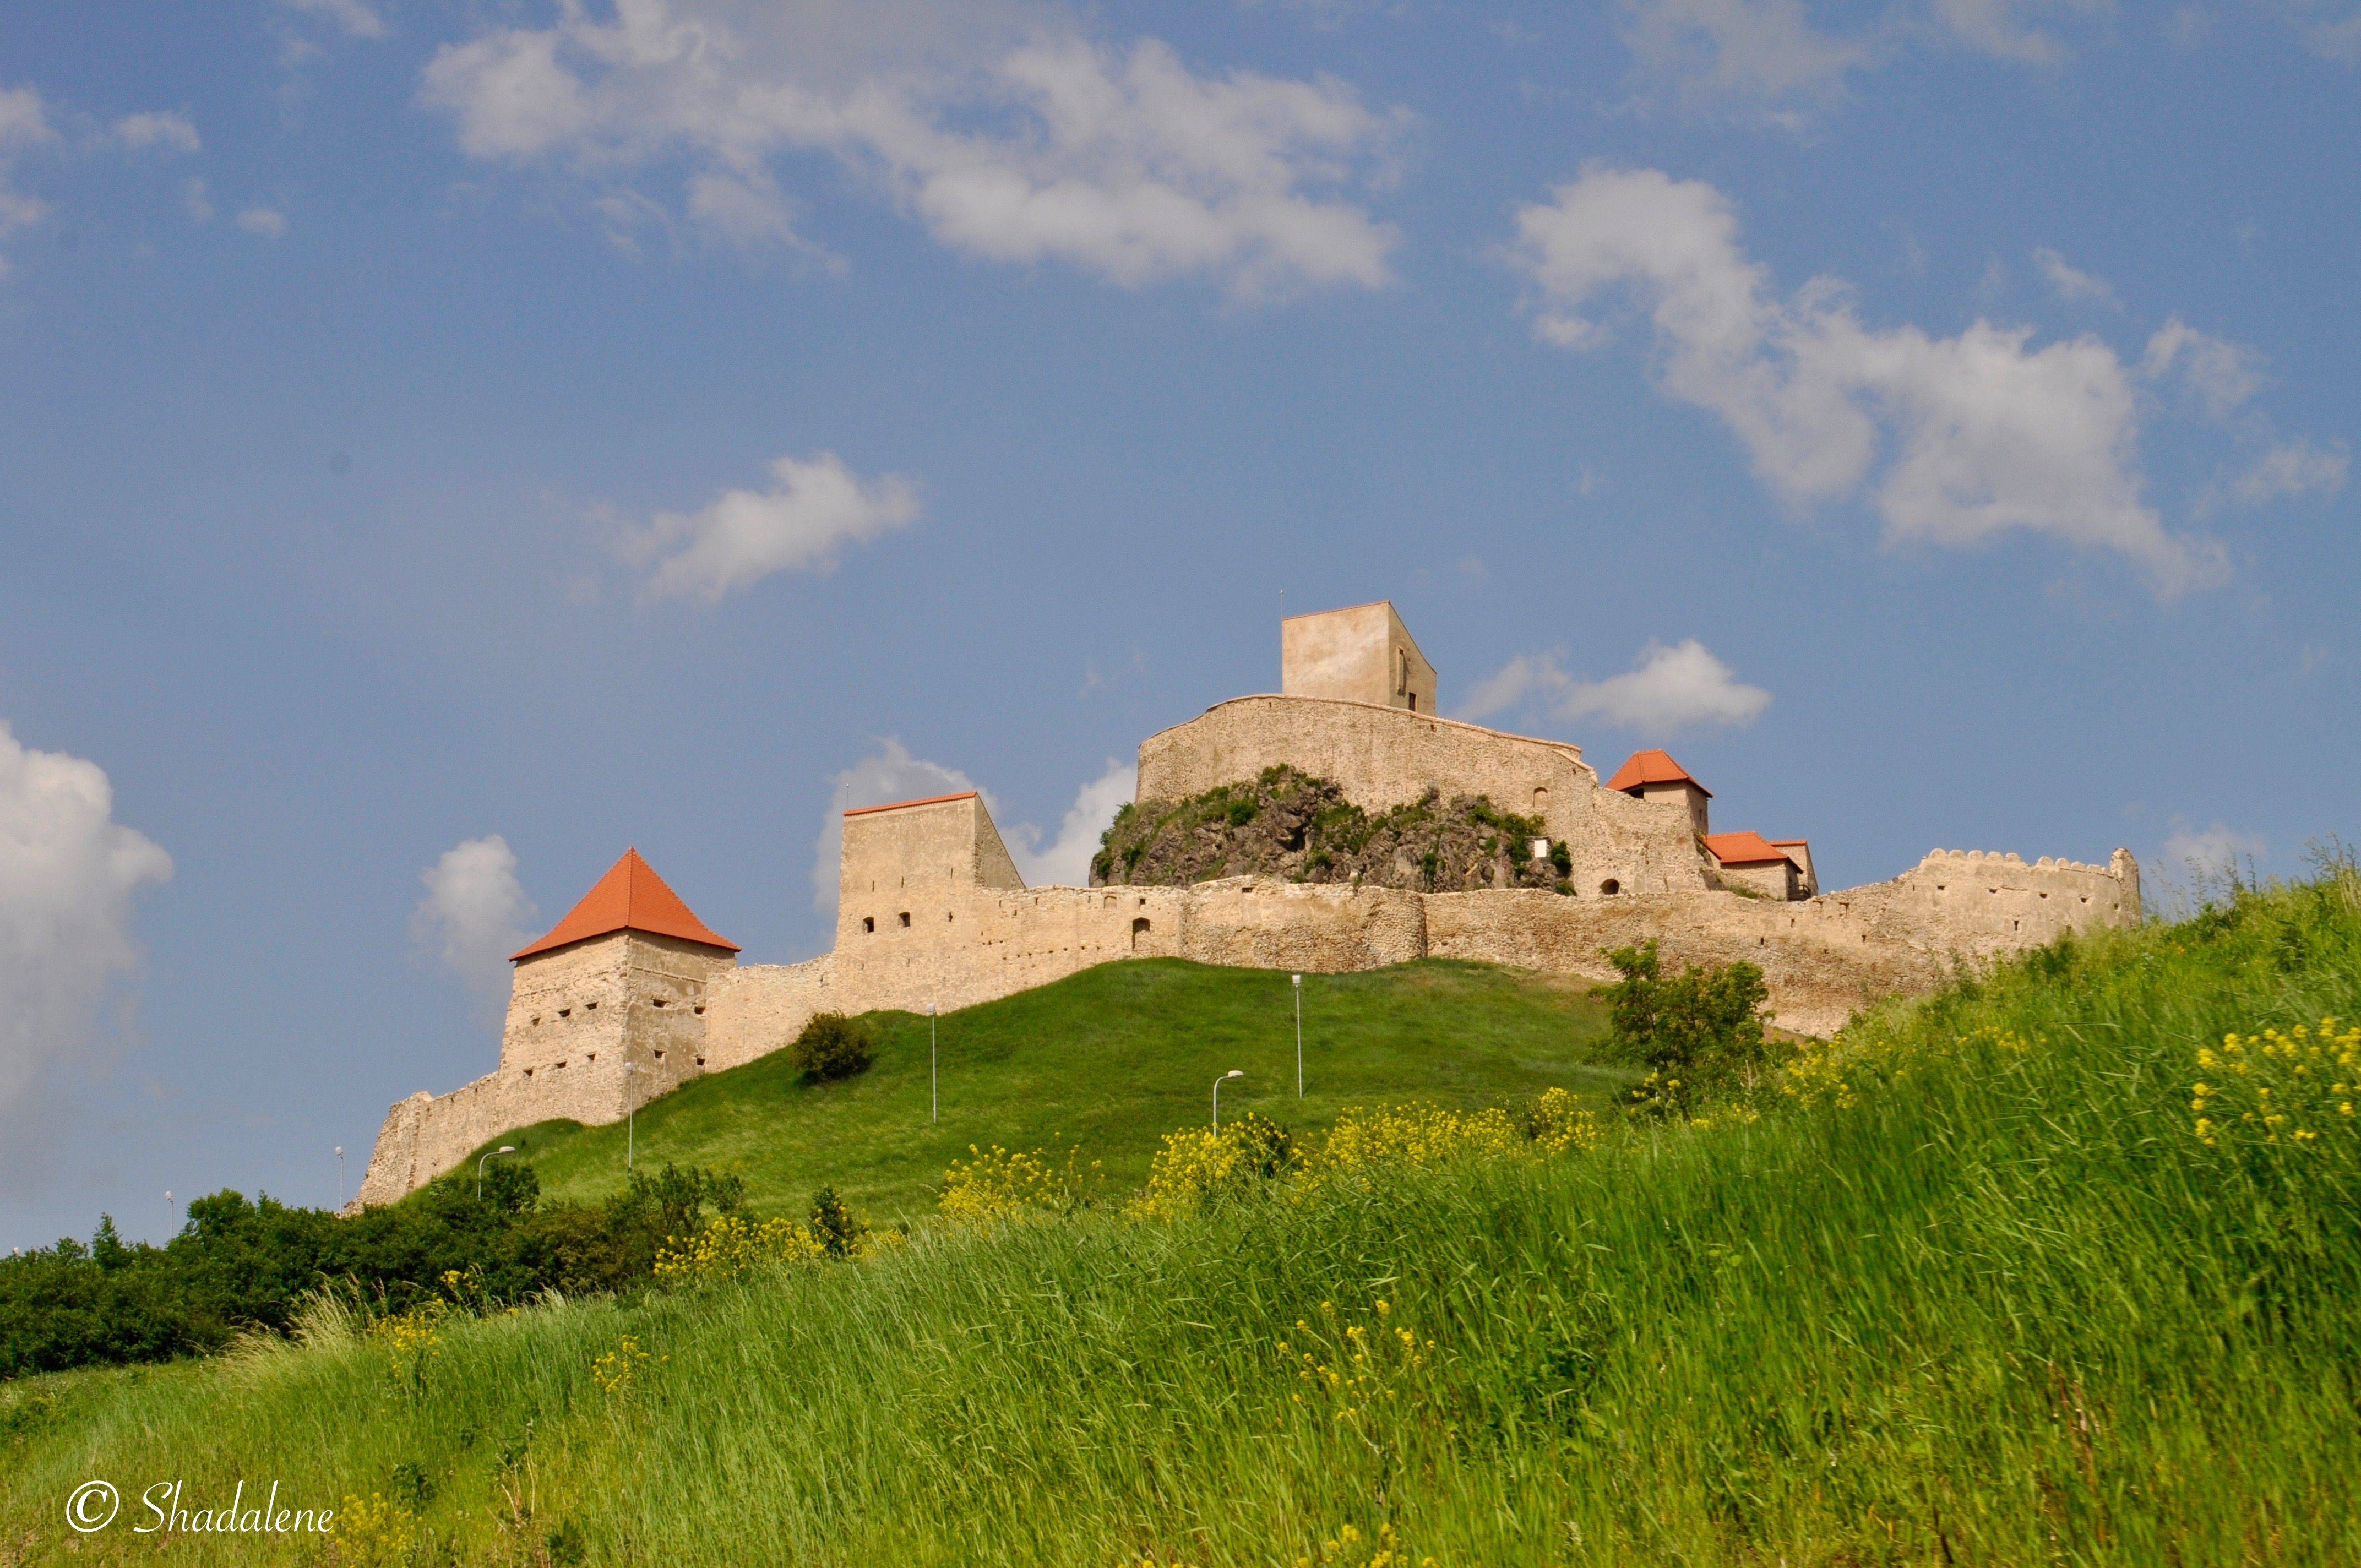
{"type": "Point", "coordinates": [443, 444]}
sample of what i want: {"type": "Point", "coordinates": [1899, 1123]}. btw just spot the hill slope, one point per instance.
{"type": "Point", "coordinates": [1997, 1283]}
{"type": "Point", "coordinates": [1109, 1059]}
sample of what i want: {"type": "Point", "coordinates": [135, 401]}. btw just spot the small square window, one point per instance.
{"type": "Point", "coordinates": [906, 920]}
{"type": "Point", "coordinates": [869, 922]}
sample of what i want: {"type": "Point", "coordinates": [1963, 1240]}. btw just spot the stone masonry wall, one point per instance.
{"type": "Point", "coordinates": [931, 911]}
{"type": "Point", "coordinates": [1822, 957]}
{"type": "Point", "coordinates": [1382, 756]}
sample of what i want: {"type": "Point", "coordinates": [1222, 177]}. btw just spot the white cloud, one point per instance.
{"type": "Point", "coordinates": [23, 123]}
{"type": "Point", "coordinates": [474, 914]}
{"type": "Point", "coordinates": [892, 774]}
{"type": "Point", "coordinates": [193, 202]}
{"type": "Point", "coordinates": [68, 874]}
{"type": "Point", "coordinates": [1009, 140]}
{"type": "Point", "coordinates": [1666, 689]}
{"type": "Point", "coordinates": [743, 536]}
{"type": "Point", "coordinates": [359, 20]}
{"type": "Point", "coordinates": [1998, 28]}
{"type": "Point", "coordinates": [1066, 863]}
{"type": "Point", "coordinates": [1986, 435]}
{"type": "Point", "coordinates": [172, 132]}
{"type": "Point", "coordinates": [2222, 373]}
{"type": "Point", "coordinates": [263, 221]}
{"type": "Point", "coordinates": [2294, 469]}
{"type": "Point", "coordinates": [1765, 49]}
{"type": "Point", "coordinates": [2329, 28]}
{"type": "Point", "coordinates": [2211, 853]}
{"type": "Point", "coordinates": [2070, 282]}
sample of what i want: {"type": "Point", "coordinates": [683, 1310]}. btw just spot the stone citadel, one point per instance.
{"type": "Point", "coordinates": [931, 909]}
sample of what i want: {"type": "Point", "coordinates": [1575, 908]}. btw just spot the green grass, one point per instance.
{"type": "Point", "coordinates": [2004, 1308]}
{"type": "Point", "coordinates": [1110, 1059]}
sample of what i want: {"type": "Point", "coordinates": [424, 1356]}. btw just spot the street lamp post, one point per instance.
{"type": "Point", "coordinates": [630, 1116]}
{"type": "Point", "coordinates": [1234, 1072]}
{"type": "Point", "coordinates": [504, 1148]}
{"type": "Point", "coordinates": [934, 1075]}
{"type": "Point", "coordinates": [340, 1178]}
{"type": "Point", "coordinates": [1296, 983]}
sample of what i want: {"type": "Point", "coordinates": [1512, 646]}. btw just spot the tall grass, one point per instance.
{"type": "Point", "coordinates": [1995, 1302]}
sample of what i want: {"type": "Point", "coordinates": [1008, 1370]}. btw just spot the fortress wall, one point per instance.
{"type": "Point", "coordinates": [1643, 846]}
{"type": "Point", "coordinates": [1260, 923]}
{"type": "Point", "coordinates": [1818, 970]}
{"type": "Point", "coordinates": [1381, 757]}
{"type": "Point", "coordinates": [1014, 941]}
{"type": "Point", "coordinates": [986, 943]}
{"type": "Point", "coordinates": [1821, 957]}
{"type": "Point", "coordinates": [425, 1135]}
{"type": "Point", "coordinates": [756, 1009]}
{"type": "Point", "coordinates": [1984, 905]}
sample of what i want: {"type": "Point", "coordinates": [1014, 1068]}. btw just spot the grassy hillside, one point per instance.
{"type": "Point", "coordinates": [1991, 1281]}
{"type": "Point", "coordinates": [1110, 1059]}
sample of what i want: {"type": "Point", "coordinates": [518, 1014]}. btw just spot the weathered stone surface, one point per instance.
{"type": "Point", "coordinates": [931, 911]}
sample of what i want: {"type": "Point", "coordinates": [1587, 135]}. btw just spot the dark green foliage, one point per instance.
{"type": "Point", "coordinates": [834, 1226]}
{"type": "Point", "coordinates": [240, 1265]}
{"type": "Point", "coordinates": [832, 1046]}
{"type": "Point", "coordinates": [1269, 1148]}
{"type": "Point", "coordinates": [411, 1485]}
{"type": "Point", "coordinates": [566, 1545]}
{"type": "Point", "coordinates": [1697, 1033]}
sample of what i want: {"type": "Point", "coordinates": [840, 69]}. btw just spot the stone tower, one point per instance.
{"type": "Point", "coordinates": [620, 979]}
{"type": "Point", "coordinates": [1362, 654]}
{"type": "Point", "coordinates": [1652, 776]}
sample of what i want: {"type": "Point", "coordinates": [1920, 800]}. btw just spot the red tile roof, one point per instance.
{"type": "Point", "coordinates": [898, 804]}
{"type": "Point", "coordinates": [629, 898]}
{"type": "Point", "coordinates": [1652, 767]}
{"type": "Point", "coordinates": [1745, 849]}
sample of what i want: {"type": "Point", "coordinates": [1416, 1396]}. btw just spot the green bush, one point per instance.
{"type": "Point", "coordinates": [1698, 1034]}
{"type": "Point", "coordinates": [241, 1264]}
{"type": "Point", "coordinates": [831, 1046]}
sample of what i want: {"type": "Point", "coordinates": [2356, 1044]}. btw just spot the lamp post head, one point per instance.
{"type": "Point", "coordinates": [340, 1151]}
{"type": "Point", "coordinates": [1234, 1072]}
{"type": "Point", "coordinates": [1295, 980]}
{"type": "Point", "coordinates": [505, 1148]}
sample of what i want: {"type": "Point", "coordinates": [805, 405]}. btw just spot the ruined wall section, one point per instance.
{"type": "Point", "coordinates": [1822, 957]}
